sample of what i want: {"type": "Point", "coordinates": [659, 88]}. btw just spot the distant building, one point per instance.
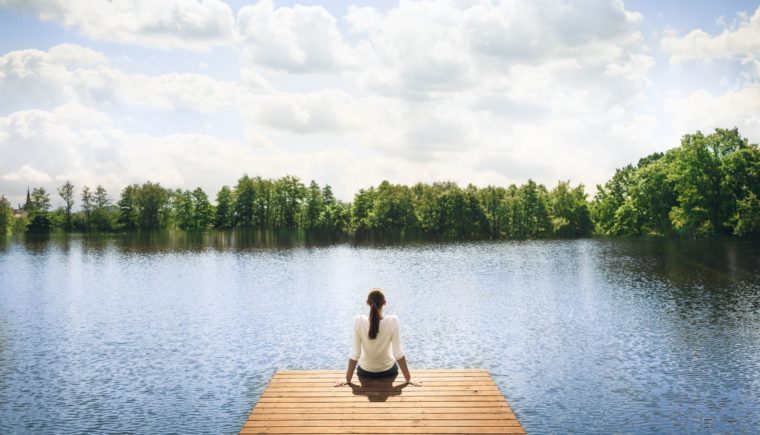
{"type": "Point", "coordinates": [28, 204]}
{"type": "Point", "coordinates": [23, 210]}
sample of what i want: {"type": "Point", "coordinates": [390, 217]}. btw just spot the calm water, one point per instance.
{"type": "Point", "coordinates": [181, 334]}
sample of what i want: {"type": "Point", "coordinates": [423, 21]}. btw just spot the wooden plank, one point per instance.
{"type": "Point", "coordinates": [330, 372]}
{"type": "Point", "coordinates": [379, 430]}
{"type": "Point", "coordinates": [456, 415]}
{"type": "Point", "coordinates": [400, 398]}
{"type": "Point", "coordinates": [294, 388]}
{"type": "Point", "coordinates": [426, 381]}
{"type": "Point", "coordinates": [372, 409]}
{"type": "Point", "coordinates": [416, 373]}
{"type": "Point", "coordinates": [376, 393]}
{"type": "Point", "coordinates": [493, 422]}
{"type": "Point", "coordinates": [431, 406]}
{"type": "Point", "coordinates": [450, 401]}
{"type": "Point", "coordinates": [341, 375]}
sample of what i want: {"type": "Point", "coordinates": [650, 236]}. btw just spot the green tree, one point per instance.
{"type": "Point", "coordinates": [698, 182]}
{"type": "Point", "coordinates": [245, 196]}
{"type": "Point", "coordinates": [491, 198]}
{"type": "Point", "coordinates": [536, 214]}
{"type": "Point", "coordinates": [87, 205]}
{"type": "Point", "coordinates": [741, 182]}
{"type": "Point", "coordinates": [153, 202]}
{"type": "Point", "coordinates": [289, 194]}
{"type": "Point", "coordinates": [203, 210]}
{"type": "Point", "coordinates": [393, 208]}
{"type": "Point", "coordinates": [653, 196]}
{"type": "Point", "coordinates": [263, 213]}
{"type": "Point", "coordinates": [362, 209]}
{"type": "Point", "coordinates": [336, 215]}
{"type": "Point", "coordinates": [224, 216]}
{"type": "Point", "coordinates": [313, 206]}
{"type": "Point", "coordinates": [569, 211]}
{"type": "Point", "coordinates": [101, 217]}
{"type": "Point", "coordinates": [609, 198]}
{"type": "Point", "coordinates": [6, 216]}
{"type": "Point", "coordinates": [128, 206]}
{"type": "Point", "coordinates": [746, 221]}
{"type": "Point", "coordinates": [39, 211]}
{"type": "Point", "coordinates": [184, 209]}
{"type": "Point", "coordinates": [66, 191]}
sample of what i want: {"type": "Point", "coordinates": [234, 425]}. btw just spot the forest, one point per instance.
{"type": "Point", "coordinates": [707, 186]}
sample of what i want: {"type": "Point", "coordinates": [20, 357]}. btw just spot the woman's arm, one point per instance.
{"type": "Point", "coordinates": [407, 376]}
{"type": "Point", "coordinates": [349, 373]}
{"type": "Point", "coordinates": [356, 352]}
{"type": "Point", "coordinates": [398, 353]}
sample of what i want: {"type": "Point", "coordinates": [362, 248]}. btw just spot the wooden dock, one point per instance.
{"type": "Point", "coordinates": [450, 401]}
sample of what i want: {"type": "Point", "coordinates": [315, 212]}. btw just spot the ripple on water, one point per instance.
{"type": "Point", "coordinates": [581, 336]}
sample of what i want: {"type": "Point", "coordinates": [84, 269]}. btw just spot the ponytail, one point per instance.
{"type": "Point", "coordinates": [375, 300]}
{"type": "Point", "coordinates": [374, 320]}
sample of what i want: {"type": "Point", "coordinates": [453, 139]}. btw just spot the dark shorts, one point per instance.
{"type": "Point", "coordinates": [393, 371]}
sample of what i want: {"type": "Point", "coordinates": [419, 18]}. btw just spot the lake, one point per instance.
{"type": "Point", "coordinates": [177, 333]}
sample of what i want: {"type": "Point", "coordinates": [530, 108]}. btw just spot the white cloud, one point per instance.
{"type": "Point", "coordinates": [299, 39]}
{"type": "Point", "coordinates": [324, 111]}
{"type": "Point", "coordinates": [69, 72]}
{"type": "Point", "coordinates": [426, 91]}
{"type": "Point", "coordinates": [187, 24]}
{"type": "Point", "coordinates": [743, 42]}
{"type": "Point", "coordinates": [64, 146]}
{"type": "Point", "coordinates": [427, 49]}
{"type": "Point", "coordinates": [706, 111]}
{"type": "Point", "coordinates": [28, 174]}
{"type": "Point", "coordinates": [75, 55]}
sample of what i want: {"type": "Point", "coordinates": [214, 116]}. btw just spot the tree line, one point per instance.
{"type": "Point", "coordinates": [709, 185]}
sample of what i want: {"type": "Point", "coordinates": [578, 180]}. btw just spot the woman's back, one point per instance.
{"type": "Point", "coordinates": [378, 354]}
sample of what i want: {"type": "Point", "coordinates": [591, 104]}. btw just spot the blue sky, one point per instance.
{"type": "Point", "coordinates": [195, 93]}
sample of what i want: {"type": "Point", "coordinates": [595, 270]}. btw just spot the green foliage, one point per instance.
{"type": "Point", "coordinates": [313, 207]}
{"type": "Point", "coordinates": [153, 206]}
{"type": "Point", "coordinates": [569, 211]}
{"type": "Point", "coordinates": [609, 198]}
{"type": "Point", "coordinates": [203, 210]}
{"type": "Point", "coordinates": [87, 205]}
{"type": "Point", "coordinates": [6, 216]}
{"type": "Point", "coordinates": [101, 217]}
{"type": "Point", "coordinates": [335, 216]}
{"type": "Point", "coordinates": [533, 218]}
{"type": "Point", "coordinates": [39, 211]}
{"type": "Point", "coordinates": [289, 194]}
{"type": "Point", "coordinates": [223, 218]}
{"type": "Point", "coordinates": [362, 211]}
{"type": "Point", "coordinates": [245, 196]}
{"type": "Point", "coordinates": [66, 191]}
{"type": "Point", "coordinates": [192, 210]}
{"type": "Point", "coordinates": [702, 188]}
{"type": "Point", "coordinates": [20, 225]}
{"type": "Point", "coordinates": [128, 206]}
{"type": "Point", "coordinates": [746, 221]}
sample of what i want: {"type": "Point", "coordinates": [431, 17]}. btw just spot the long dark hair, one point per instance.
{"type": "Point", "coordinates": [375, 300]}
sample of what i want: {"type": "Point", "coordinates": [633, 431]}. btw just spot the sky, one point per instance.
{"type": "Point", "coordinates": [193, 93]}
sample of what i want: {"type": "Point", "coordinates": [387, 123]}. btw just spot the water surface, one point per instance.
{"type": "Point", "coordinates": [181, 333]}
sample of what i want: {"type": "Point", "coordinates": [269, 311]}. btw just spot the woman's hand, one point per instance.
{"type": "Point", "coordinates": [414, 382]}
{"type": "Point", "coordinates": [342, 383]}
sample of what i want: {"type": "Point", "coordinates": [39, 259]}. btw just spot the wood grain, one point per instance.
{"type": "Point", "coordinates": [450, 401]}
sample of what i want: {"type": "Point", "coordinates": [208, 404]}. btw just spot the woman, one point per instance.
{"type": "Point", "coordinates": [376, 345]}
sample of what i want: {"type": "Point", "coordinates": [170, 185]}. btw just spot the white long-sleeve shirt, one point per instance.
{"type": "Point", "coordinates": [378, 354]}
